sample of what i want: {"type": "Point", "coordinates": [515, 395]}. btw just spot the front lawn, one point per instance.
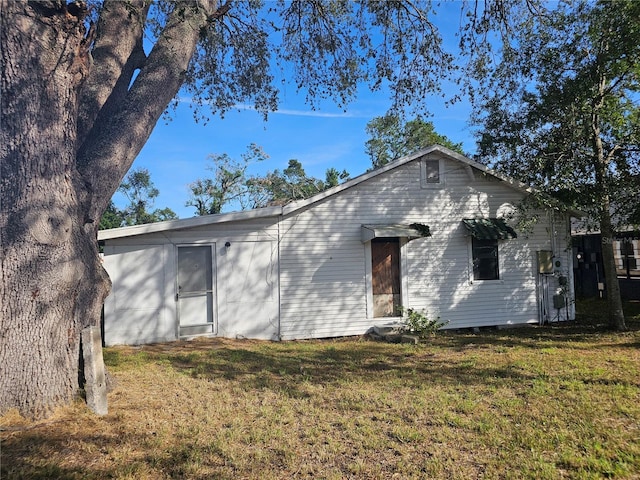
{"type": "Point", "coordinates": [551, 402]}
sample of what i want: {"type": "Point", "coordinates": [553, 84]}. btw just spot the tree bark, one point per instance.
{"type": "Point", "coordinates": [115, 139]}
{"type": "Point", "coordinates": [616, 313]}
{"type": "Point", "coordinates": [71, 128]}
{"type": "Point", "coordinates": [52, 284]}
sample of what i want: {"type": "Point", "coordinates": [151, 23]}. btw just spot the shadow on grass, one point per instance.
{"type": "Point", "coordinates": [287, 366]}
{"type": "Point", "coordinates": [516, 359]}
{"type": "Point", "coordinates": [27, 455]}
{"type": "Point", "coordinates": [591, 324]}
{"type": "Point", "coordinates": [36, 456]}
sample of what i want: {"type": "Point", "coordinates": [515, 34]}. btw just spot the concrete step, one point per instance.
{"type": "Point", "coordinates": [392, 328]}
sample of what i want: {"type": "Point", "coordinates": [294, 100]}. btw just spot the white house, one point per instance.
{"type": "Point", "coordinates": [430, 231]}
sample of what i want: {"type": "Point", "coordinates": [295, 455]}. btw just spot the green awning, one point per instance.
{"type": "Point", "coordinates": [489, 228]}
{"type": "Point", "coordinates": [411, 231]}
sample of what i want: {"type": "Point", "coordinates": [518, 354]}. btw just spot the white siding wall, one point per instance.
{"type": "Point", "coordinates": [309, 275]}
{"type": "Point", "coordinates": [143, 270]}
{"type": "Point", "coordinates": [139, 308]}
{"type": "Point", "coordinates": [248, 290]}
{"type": "Point", "coordinates": [324, 280]}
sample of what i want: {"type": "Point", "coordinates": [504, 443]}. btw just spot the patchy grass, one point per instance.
{"type": "Point", "coordinates": [551, 402]}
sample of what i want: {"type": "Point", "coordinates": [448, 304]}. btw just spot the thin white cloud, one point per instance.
{"type": "Point", "coordinates": [290, 112]}
{"type": "Point", "coordinates": [300, 113]}
{"type": "Point", "coordinates": [313, 113]}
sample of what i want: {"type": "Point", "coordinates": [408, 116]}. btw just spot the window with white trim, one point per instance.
{"type": "Point", "coordinates": [431, 173]}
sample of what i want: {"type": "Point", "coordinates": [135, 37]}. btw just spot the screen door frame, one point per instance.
{"type": "Point", "coordinates": [190, 297]}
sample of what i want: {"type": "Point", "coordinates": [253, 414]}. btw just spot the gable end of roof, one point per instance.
{"type": "Point", "coordinates": [450, 154]}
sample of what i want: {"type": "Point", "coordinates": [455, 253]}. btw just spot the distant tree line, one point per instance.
{"type": "Point", "coordinates": [231, 185]}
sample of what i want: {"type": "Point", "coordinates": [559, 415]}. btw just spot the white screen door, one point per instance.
{"type": "Point", "coordinates": [195, 290]}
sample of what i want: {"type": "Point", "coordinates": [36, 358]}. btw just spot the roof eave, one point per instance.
{"type": "Point", "coordinates": [180, 224]}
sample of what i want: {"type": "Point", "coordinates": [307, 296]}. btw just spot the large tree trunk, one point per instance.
{"type": "Point", "coordinates": [52, 284]}
{"type": "Point", "coordinates": [70, 130]}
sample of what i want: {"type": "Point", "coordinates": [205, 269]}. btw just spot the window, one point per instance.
{"type": "Point", "coordinates": [430, 174]}
{"type": "Point", "coordinates": [485, 235]}
{"type": "Point", "coordinates": [626, 255]}
{"type": "Point", "coordinates": [628, 258]}
{"type": "Point", "coordinates": [485, 259]}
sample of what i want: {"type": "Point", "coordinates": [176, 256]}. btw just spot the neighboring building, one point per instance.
{"type": "Point", "coordinates": [588, 268]}
{"type": "Point", "coordinates": [427, 232]}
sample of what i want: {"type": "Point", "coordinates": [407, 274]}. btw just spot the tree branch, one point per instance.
{"type": "Point", "coordinates": [117, 53]}
{"type": "Point", "coordinates": [108, 152]}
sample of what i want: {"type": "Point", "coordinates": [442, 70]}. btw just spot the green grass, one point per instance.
{"type": "Point", "coordinates": [552, 402]}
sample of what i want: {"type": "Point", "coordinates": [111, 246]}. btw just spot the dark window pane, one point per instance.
{"type": "Point", "coordinates": [628, 256]}
{"type": "Point", "coordinates": [485, 259]}
{"type": "Point", "coordinates": [626, 247]}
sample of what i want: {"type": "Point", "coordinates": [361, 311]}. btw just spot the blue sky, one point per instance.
{"type": "Point", "coordinates": [176, 153]}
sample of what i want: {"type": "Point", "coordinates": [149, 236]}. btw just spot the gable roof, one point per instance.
{"type": "Point", "coordinates": [450, 154]}
{"type": "Point", "coordinates": [292, 207]}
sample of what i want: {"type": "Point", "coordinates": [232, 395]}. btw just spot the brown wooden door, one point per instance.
{"type": "Point", "coordinates": [385, 263]}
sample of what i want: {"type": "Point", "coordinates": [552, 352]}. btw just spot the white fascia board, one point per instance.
{"type": "Point", "coordinates": [188, 223]}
